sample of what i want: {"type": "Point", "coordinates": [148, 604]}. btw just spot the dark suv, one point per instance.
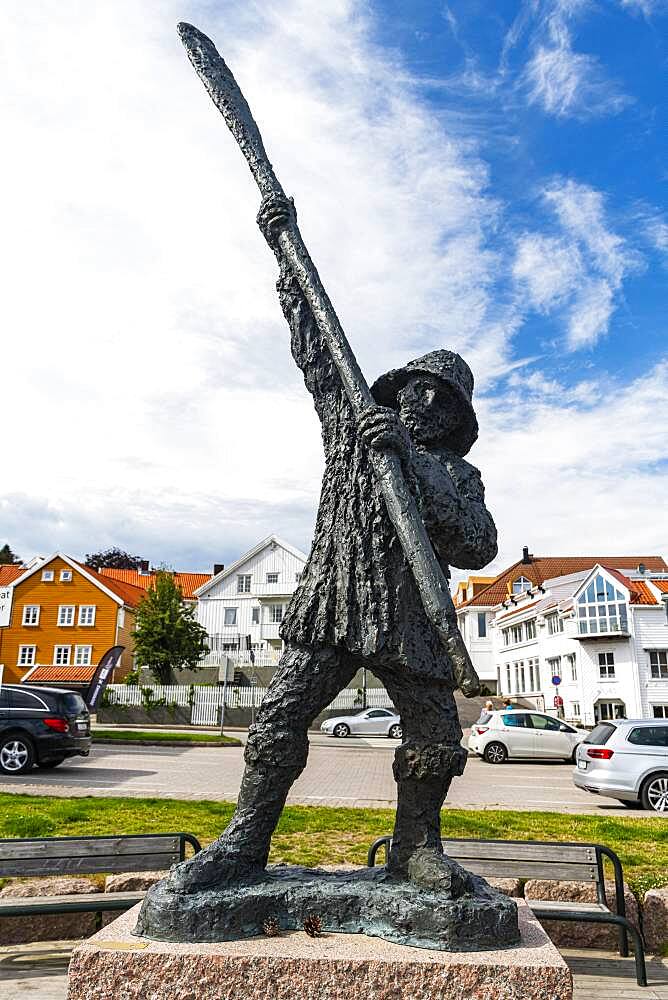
{"type": "Point", "coordinates": [41, 725]}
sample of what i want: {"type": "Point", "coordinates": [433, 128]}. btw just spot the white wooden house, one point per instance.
{"type": "Point", "coordinates": [601, 634]}
{"type": "Point", "coordinates": [242, 607]}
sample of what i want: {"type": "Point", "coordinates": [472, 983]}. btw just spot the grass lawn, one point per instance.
{"type": "Point", "coordinates": [158, 736]}
{"type": "Point", "coordinates": [314, 835]}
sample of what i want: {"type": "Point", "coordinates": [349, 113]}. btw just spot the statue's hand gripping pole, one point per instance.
{"type": "Point", "coordinates": [401, 506]}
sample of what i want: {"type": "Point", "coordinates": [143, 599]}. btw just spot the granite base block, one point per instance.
{"type": "Point", "coordinates": [294, 966]}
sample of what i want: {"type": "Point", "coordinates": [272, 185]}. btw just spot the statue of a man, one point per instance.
{"type": "Point", "coordinates": [357, 604]}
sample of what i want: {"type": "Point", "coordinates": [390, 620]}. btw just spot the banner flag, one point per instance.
{"type": "Point", "coordinates": [102, 675]}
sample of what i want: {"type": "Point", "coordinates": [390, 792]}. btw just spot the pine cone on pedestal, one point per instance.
{"type": "Point", "coordinates": [313, 925]}
{"type": "Point", "coordinates": [271, 927]}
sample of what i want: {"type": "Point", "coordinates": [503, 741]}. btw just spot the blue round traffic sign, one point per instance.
{"type": "Point", "coordinates": [556, 680]}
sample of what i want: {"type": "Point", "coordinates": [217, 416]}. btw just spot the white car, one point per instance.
{"type": "Point", "coordinates": [370, 722]}
{"type": "Point", "coordinates": [626, 760]}
{"type": "Point", "coordinates": [496, 736]}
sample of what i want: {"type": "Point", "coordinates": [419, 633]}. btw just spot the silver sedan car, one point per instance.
{"type": "Point", "coordinates": [369, 722]}
{"type": "Point", "coordinates": [626, 760]}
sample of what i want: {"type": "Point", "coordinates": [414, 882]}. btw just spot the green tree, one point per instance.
{"type": "Point", "coordinates": [168, 638]}
{"type": "Point", "coordinates": [7, 556]}
{"type": "Point", "coordinates": [113, 559]}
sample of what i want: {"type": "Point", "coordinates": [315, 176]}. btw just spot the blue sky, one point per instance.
{"type": "Point", "coordinates": [486, 177]}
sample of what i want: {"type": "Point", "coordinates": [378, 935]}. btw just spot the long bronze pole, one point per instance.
{"type": "Point", "coordinates": [401, 506]}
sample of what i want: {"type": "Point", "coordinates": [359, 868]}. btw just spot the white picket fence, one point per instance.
{"type": "Point", "coordinates": [206, 702]}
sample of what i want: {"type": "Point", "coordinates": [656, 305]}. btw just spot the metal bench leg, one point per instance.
{"type": "Point", "coordinates": [638, 948]}
{"type": "Point", "coordinates": [375, 847]}
{"type": "Point", "coordinates": [623, 942]}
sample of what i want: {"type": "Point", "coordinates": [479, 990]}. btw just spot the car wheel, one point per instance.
{"type": "Point", "coordinates": [655, 793]}
{"type": "Point", "coordinates": [395, 732]}
{"type": "Point", "coordinates": [46, 764]}
{"type": "Point", "coordinates": [17, 754]}
{"type": "Point", "coordinates": [342, 730]}
{"type": "Point", "coordinates": [495, 753]}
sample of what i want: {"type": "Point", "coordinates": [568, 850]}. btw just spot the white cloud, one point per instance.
{"type": "Point", "coordinates": [148, 358]}
{"type": "Point", "coordinates": [645, 7]}
{"type": "Point", "coordinates": [548, 266]}
{"type": "Point", "coordinates": [579, 272]}
{"type": "Point", "coordinates": [592, 463]}
{"type": "Point", "coordinates": [564, 82]}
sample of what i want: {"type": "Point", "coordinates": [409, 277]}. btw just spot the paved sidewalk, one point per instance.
{"type": "Point", "coordinates": [39, 972]}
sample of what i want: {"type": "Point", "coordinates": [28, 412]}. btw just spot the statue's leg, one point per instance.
{"type": "Point", "coordinates": [305, 682]}
{"type": "Point", "coordinates": [429, 757]}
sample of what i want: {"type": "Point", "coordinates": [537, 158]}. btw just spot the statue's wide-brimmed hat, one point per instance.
{"type": "Point", "coordinates": [450, 369]}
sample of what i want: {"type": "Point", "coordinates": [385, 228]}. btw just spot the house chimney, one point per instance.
{"type": "Point", "coordinates": [218, 568]}
{"type": "Point", "coordinates": [143, 568]}
{"type": "Point", "coordinates": [527, 557]}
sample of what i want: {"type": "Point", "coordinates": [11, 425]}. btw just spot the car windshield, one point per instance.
{"type": "Point", "coordinates": [601, 733]}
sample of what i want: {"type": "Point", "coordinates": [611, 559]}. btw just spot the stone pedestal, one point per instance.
{"type": "Point", "coordinates": [294, 966]}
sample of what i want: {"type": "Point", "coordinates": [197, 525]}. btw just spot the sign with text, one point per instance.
{"type": "Point", "coordinates": [5, 605]}
{"type": "Point", "coordinates": [101, 676]}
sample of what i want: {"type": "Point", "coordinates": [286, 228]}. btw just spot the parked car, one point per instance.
{"type": "Point", "coordinates": [42, 726]}
{"type": "Point", "coordinates": [370, 722]}
{"type": "Point", "coordinates": [496, 736]}
{"type": "Point", "coordinates": [626, 760]}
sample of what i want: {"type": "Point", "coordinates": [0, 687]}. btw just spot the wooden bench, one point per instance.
{"type": "Point", "coordinates": [553, 861]}
{"type": "Point", "coordinates": [86, 856]}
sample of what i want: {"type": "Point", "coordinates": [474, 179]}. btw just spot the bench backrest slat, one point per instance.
{"type": "Point", "coordinates": [520, 851]}
{"type": "Point", "coordinates": [71, 855]}
{"type": "Point", "coordinates": [529, 869]}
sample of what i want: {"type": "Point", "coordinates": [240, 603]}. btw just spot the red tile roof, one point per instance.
{"type": "Point", "coordinates": [53, 675]}
{"type": "Point", "coordinates": [641, 593]}
{"type": "Point", "coordinates": [128, 594]}
{"type": "Point", "coordinates": [543, 568]}
{"type": "Point", "coordinates": [661, 585]}
{"type": "Point", "coordinates": [188, 582]}
{"type": "Point", "coordinates": [9, 573]}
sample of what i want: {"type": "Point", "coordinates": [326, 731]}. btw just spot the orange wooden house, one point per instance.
{"type": "Point", "coordinates": [64, 616]}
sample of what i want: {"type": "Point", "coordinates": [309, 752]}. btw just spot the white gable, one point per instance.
{"type": "Point", "coordinates": [273, 565]}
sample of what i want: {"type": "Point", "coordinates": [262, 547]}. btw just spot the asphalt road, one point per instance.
{"type": "Point", "coordinates": [352, 772]}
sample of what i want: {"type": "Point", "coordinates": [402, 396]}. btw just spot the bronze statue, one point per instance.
{"type": "Point", "coordinates": [399, 503]}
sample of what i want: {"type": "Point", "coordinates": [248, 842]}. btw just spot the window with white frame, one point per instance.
{"type": "Point", "coordinates": [244, 583]}
{"type": "Point", "coordinates": [554, 666]}
{"type": "Point", "coordinates": [87, 615]}
{"type": "Point", "coordinates": [575, 710]}
{"type": "Point", "coordinates": [298, 577]}
{"type": "Point", "coordinates": [658, 664]}
{"type": "Point", "coordinates": [66, 614]}
{"type": "Point", "coordinates": [27, 656]}
{"type": "Point", "coordinates": [230, 616]}
{"type": "Point", "coordinates": [660, 711]}
{"type": "Point", "coordinates": [83, 655]}
{"type": "Point", "coordinates": [530, 629]}
{"type": "Point", "coordinates": [555, 624]}
{"type": "Point", "coordinates": [515, 633]}
{"type": "Point", "coordinates": [31, 614]}
{"type": "Point", "coordinates": [482, 625]}
{"type": "Point", "coordinates": [255, 615]}
{"type": "Point", "coordinates": [47, 576]}
{"type": "Point", "coordinates": [601, 608]}
{"type": "Point", "coordinates": [521, 584]}
{"type": "Point", "coordinates": [272, 577]}
{"type": "Point", "coordinates": [506, 636]}
{"type": "Point", "coordinates": [275, 613]}
{"type": "Point", "coordinates": [534, 674]}
{"type": "Point", "coordinates": [66, 576]}
{"type": "Point", "coordinates": [571, 663]}
{"type": "Point", "coordinates": [508, 686]}
{"type": "Point", "coordinates": [61, 655]}
{"type": "Point", "coordinates": [606, 666]}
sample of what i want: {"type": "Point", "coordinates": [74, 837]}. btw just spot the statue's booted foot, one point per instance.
{"type": "Point", "coordinates": [429, 869]}
{"type": "Point", "coordinates": [215, 867]}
